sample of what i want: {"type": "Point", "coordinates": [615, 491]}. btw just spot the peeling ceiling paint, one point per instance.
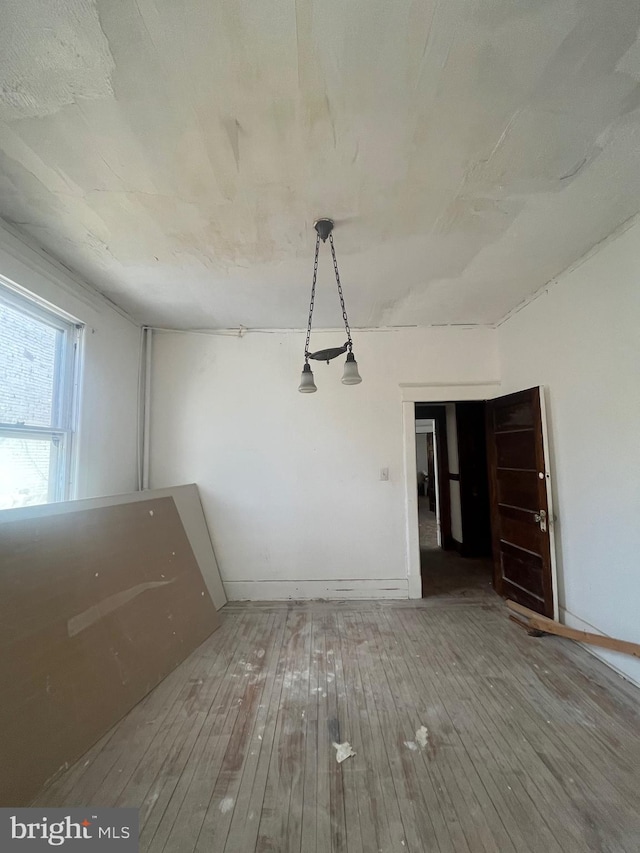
{"type": "Point", "coordinates": [176, 154]}
{"type": "Point", "coordinates": [53, 54]}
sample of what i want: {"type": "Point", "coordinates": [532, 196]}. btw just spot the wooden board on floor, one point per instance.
{"type": "Point", "coordinates": [96, 608]}
{"type": "Point", "coordinates": [550, 626]}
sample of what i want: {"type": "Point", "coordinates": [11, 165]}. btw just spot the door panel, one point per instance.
{"type": "Point", "coordinates": [515, 449]}
{"type": "Point", "coordinates": [518, 488]}
{"type": "Point", "coordinates": [520, 516]}
{"type": "Point", "coordinates": [514, 416]}
{"type": "Point", "coordinates": [519, 526]}
{"type": "Point", "coordinates": [522, 568]}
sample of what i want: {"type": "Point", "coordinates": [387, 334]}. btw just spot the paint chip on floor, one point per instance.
{"type": "Point", "coordinates": [343, 751]}
{"type": "Point", "coordinates": [422, 736]}
{"type": "Point", "coordinates": [411, 744]}
{"type": "Point", "coordinates": [226, 805]}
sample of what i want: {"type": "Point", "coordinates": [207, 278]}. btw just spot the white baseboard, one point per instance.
{"type": "Point", "coordinates": [614, 660]}
{"type": "Point", "coordinates": [260, 590]}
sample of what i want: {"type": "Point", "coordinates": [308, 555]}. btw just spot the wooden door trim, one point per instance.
{"type": "Point", "coordinates": [439, 392]}
{"type": "Point", "coordinates": [412, 533]}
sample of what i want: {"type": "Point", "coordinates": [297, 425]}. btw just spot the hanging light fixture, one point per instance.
{"type": "Point", "coordinates": [324, 227]}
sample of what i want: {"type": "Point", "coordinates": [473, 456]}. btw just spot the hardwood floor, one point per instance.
{"type": "Point", "coordinates": [427, 524]}
{"type": "Point", "coordinates": [532, 744]}
{"type": "Point", "coordinates": [446, 573]}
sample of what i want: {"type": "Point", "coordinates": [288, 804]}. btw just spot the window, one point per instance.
{"type": "Point", "coordinates": [38, 350]}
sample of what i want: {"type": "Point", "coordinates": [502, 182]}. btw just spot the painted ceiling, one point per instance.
{"type": "Point", "coordinates": [176, 154]}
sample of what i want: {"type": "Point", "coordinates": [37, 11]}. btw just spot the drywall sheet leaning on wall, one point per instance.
{"type": "Point", "coordinates": [187, 499]}
{"type": "Point", "coordinates": [97, 606]}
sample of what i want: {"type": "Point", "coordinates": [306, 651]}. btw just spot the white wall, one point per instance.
{"type": "Point", "coordinates": [581, 339]}
{"type": "Point", "coordinates": [422, 453]}
{"type": "Point", "coordinates": [424, 427]}
{"type": "Point", "coordinates": [290, 482]}
{"type": "Point", "coordinates": [107, 437]}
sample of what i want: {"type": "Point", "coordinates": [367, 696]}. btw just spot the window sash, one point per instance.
{"type": "Point", "coordinates": [64, 391]}
{"type": "Point", "coordinates": [25, 431]}
{"type": "Point", "coordinates": [59, 464]}
{"type": "Point", "coordinates": [50, 316]}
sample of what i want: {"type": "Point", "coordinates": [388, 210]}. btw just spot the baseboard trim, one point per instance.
{"type": "Point", "coordinates": [283, 590]}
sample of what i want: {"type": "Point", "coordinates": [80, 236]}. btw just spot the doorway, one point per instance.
{"type": "Point", "coordinates": [428, 502]}
{"type": "Point", "coordinates": [429, 498]}
{"type": "Point", "coordinates": [454, 521]}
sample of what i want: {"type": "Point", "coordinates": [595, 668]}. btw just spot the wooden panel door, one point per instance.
{"type": "Point", "coordinates": [521, 519]}
{"type": "Point", "coordinates": [474, 482]}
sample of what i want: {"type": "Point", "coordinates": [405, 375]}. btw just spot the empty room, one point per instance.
{"type": "Point", "coordinates": [319, 406]}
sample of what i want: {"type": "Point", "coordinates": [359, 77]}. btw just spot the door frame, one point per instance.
{"type": "Point", "coordinates": [442, 393]}
{"type": "Point", "coordinates": [430, 393]}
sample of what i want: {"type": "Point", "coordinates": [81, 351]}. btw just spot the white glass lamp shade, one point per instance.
{"type": "Point", "coordinates": [351, 375]}
{"type": "Point", "coordinates": [307, 385]}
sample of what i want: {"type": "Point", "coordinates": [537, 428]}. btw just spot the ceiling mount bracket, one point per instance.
{"type": "Point", "coordinates": [324, 227]}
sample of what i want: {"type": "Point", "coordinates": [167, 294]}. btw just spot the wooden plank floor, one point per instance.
{"type": "Point", "coordinates": [532, 744]}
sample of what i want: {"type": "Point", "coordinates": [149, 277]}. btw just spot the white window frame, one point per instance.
{"type": "Point", "coordinates": [65, 391]}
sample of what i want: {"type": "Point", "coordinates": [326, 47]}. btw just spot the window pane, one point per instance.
{"type": "Point", "coordinates": [28, 360]}
{"type": "Point", "coordinates": [27, 468]}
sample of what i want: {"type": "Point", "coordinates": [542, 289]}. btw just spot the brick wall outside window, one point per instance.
{"type": "Point", "coordinates": [27, 369]}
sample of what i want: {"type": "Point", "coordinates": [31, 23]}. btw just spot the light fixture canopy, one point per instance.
{"type": "Point", "coordinates": [324, 229]}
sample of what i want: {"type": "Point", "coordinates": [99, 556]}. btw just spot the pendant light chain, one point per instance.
{"type": "Point", "coordinates": [313, 297]}
{"type": "Point", "coordinates": [350, 376]}
{"type": "Point", "coordinates": [344, 310]}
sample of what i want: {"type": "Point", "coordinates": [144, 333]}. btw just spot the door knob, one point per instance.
{"type": "Point", "coordinates": [541, 519]}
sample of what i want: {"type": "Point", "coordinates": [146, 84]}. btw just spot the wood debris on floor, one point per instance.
{"type": "Point", "coordinates": [538, 624]}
